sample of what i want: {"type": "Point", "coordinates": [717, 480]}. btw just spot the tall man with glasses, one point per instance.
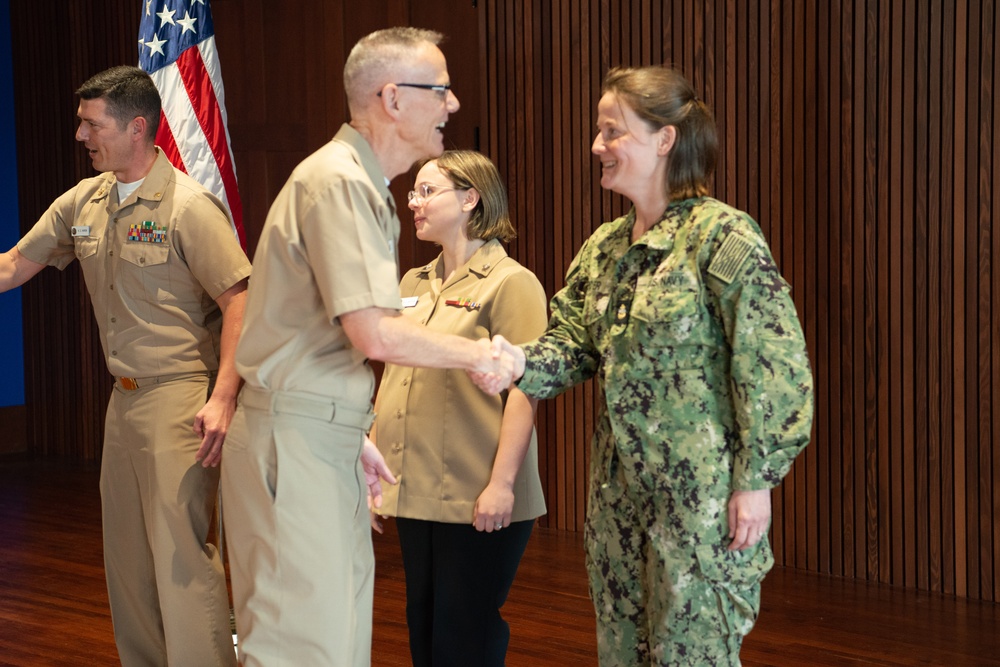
{"type": "Point", "coordinates": [324, 299]}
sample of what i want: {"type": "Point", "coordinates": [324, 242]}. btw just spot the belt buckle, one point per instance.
{"type": "Point", "coordinates": [128, 384]}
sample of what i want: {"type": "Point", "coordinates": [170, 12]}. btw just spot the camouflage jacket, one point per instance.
{"type": "Point", "coordinates": [693, 336]}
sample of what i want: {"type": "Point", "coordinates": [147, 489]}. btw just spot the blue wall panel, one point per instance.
{"type": "Point", "coordinates": [11, 329]}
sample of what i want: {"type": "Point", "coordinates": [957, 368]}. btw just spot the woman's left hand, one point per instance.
{"type": "Point", "coordinates": [493, 508]}
{"type": "Point", "coordinates": [749, 516]}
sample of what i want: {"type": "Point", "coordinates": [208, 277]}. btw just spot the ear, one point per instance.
{"type": "Point", "coordinates": [138, 127]}
{"type": "Point", "coordinates": [471, 200]}
{"type": "Point", "coordinates": [390, 99]}
{"type": "Point", "coordinates": [667, 137]}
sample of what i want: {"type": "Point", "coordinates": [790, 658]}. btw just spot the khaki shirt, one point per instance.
{"type": "Point", "coordinates": [328, 247]}
{"type": "Point", "coordinates": [154, 265]}
{"type": "Point", "coordinates": [437, 431]}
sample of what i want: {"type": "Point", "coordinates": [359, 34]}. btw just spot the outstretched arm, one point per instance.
{"type": "Point", "coordinates": [385, 335]}
{"type": "Point", "coordinates": [16, 269]}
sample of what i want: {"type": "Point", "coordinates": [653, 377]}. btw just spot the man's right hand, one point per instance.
{"type": "Point", "coordinates": [503, 365]}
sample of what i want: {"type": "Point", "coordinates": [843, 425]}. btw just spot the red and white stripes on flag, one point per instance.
{"type": "Point", "coordinates": [177, 48]}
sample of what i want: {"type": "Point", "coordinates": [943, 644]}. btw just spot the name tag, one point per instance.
{"type": "Point", "coordinates": [81, 230]}
{"type": "Point", "coordinates": [410, 301]}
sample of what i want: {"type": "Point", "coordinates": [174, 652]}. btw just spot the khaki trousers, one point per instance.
{"type": "Point", "coordinates": [166, 584]}
{"type": "Point", "coordinates": [298, 534]}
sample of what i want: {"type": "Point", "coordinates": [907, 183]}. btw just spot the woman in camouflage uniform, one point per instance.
{"type": "Point", "coordinates": [679, 311]}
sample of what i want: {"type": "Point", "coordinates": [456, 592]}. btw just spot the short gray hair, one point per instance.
{"type": "Point", "coordinates": [377, 55]}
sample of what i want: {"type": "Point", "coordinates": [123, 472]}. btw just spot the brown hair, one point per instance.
{"type": "Point", "coordinates": [662, 96]}
{"type": "Point", "coordinates": [471, 169]}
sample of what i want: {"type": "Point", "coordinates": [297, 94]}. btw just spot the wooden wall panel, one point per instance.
{"type": "Point", "coordinates": [861, 134]}
{"type": "Point", "coordinates": [282, 67]}
{"type": "Point", "coordinates": [54, 51]}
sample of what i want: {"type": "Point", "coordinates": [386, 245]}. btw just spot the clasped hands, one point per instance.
{"type": "Point", "coordinates": [499, 365]}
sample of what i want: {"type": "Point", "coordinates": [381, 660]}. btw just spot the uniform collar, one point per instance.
{"type": "Point", "coordinates": [366, 156]}
{"type": "Point", "coordinates": [482, 263]}
{"type": "Point", "coordinates": [156, 181]}
{"type": "Point", "coordinates": [154, 185]}
{"type": "Point", "coordinates": [660, 236]}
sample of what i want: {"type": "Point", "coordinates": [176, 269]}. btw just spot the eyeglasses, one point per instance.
{"type": "Point", "coordinates": [440, 88]}
{"type": "Point", "coordinates": [425, 192]}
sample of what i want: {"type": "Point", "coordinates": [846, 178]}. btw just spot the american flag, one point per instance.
{"type": "Point", "coordinates": [177, 48]}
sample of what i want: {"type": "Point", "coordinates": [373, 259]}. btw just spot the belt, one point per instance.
{"type": "Point", "coordinates": [131, 384]}
{"type": "Point", "coordinates": [314, 407]}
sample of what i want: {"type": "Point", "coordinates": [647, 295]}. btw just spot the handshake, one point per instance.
{"type": "Point", "coordinates": [498, 366]}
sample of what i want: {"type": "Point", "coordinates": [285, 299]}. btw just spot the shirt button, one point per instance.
{"type": "Point", "coordinates": [142, 260]}
{"type": "Point", "coordinates": [399, 414]}
{"type": "Point", "coordinates": [114, 353]}
{"type": "Point", "coordinates": [406, 381]}
{"type": "Point", "coordinates": [113, 320]}
{"type": "Point", "coordinates": [397, 448]}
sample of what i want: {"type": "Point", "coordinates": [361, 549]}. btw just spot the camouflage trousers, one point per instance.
{"type": "Point", "coordinates": [662, 595]}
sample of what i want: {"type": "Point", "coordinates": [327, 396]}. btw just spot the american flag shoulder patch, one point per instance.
{"type": "Point", "coordinates": [730, 257]}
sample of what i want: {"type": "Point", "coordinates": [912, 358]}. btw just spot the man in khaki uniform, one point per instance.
{"type": "Point", "coordinates": [323, 300]}
{"type": "Point", "coordinates": [167, 279]}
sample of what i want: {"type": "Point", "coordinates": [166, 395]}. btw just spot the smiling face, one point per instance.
{"type": "Point", "coordinates": [440, 212]}
{"type": "Point", "coordinates": [426, 111]}
{"type": "Point", "coordinates": [633, 155]}
{"type": "Point", "coordinates": [111, 147]}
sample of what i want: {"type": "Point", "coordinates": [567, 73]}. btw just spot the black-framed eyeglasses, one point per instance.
{"type": "Point", "coordinates": [439, 88]}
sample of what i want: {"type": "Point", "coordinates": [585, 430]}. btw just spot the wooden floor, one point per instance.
{"type": "Point", "coordinates": [53, 604]}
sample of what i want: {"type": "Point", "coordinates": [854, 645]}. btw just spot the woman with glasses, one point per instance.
{"type": "Point", "coordinates": [469, 489]}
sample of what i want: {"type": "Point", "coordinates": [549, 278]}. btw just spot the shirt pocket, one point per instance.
{"type": "Point", "coordinates": [667, 309]}
{"type": "Point", "coordinates": [594, 314]}
{"type": "Point", "coordinates": [144, 270]}
{"type": "Point", "coordinates": [85, 247]}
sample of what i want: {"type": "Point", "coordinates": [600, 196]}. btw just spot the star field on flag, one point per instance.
{"type": "Point", "coordinates": [177, 49]}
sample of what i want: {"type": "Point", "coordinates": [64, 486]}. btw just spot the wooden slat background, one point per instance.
{"type": "Point", "coordinates": [861, 134]}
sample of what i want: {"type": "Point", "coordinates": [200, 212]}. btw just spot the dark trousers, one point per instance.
{"type": "Point", "coordinates": [456, 581]}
